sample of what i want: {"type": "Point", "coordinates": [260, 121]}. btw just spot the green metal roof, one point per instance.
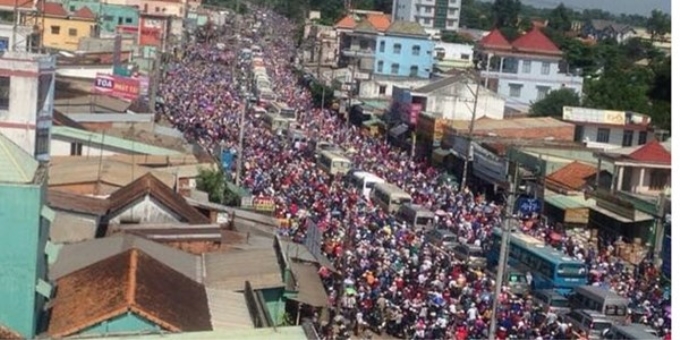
{"type": "Point", "coordinates": [377, 104]}
{"type": "Point", "coordinates": [16, 165]}
{"type": "Point", "coordinates": [400, 27]}
{"type": "Point", "coordinates": [280, 333]}
{"type": "Point", "coordinates": [107, 140]}
{"type": "Point", "coordinates": [565, 202]}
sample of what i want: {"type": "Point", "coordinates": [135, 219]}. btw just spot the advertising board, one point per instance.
{"type": "Point", "coordinates": [116, 86]}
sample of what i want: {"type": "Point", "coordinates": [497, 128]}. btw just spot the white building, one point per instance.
{"type": "Point", "coordinates": [382, 86]}
{"type": "Point", "coordinates": [27, 100]}
{"type": "Point", "coordinates": [606, 129]}
{"type": "Point", "coordinates": [449, 55]}
{"type": "Point", "coordinates": [441, 14]}
{"type": "Point", "coordinates": [23, 37]}
{"type": "Point", "coordinates": [453, 98]}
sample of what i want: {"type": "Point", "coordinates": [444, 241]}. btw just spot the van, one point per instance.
{"type": "Point", "coordinates": [549, 299]}
{"type": "Point", "coordinates": [389, 197]}
{"type": "Point", "coordinates": [588, 321]}
{"type": "Point", "coordinates": [441, 238]}
{"type": "Point", "coordinates": [635, 331]}
{"type": "Point", "coordinates": [333, 164]}
{"type": "Point", "coordinates": [416, 216]}
{"type": "Point", "coordinates": [297, 136]}
{"type": "Point", "coordinates": [470, 254]}
{"type": "Point", "coordinates": [601, 300]}
{"type": "Point", "coordinates": [364, 182]}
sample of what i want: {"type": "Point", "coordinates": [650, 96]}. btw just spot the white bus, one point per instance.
{"type": "Point", "coordinates": [283, 110]}
{"type": "Point", "coordinates": [416, 216]}
{"type": "Point", "coordinates": [333, 163]}
{"type": "Point", "coordinates": [275, 122]}
{"type": "Point", "coordinates": [365, 182]}
{"type": "Point", "coordinates": [390, 197]}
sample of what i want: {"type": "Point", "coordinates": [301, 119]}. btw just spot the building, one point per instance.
{"type": "Point", "coordinates": [608, 129]}
{"type": "Point", "coordinates": [382, 87]}
{"type": "Point", "coordinates": [449, 56]}
{"type": "Point", "coordinates": [440, 14]}
{"type": "Point", "coordinates": [24, 37]}
{"type": "Point", "coordinates": [68, 141]}
{"type": "Point", "coordinates": [109, 16]}
{"type": "Point", "coordinates": [77, 217]}
{"type": "Point", "coordinates": [24, 223]}
{"type": "Point", "coordinates": [154, 30]}
{"type": "Point", "coordinates": [404, 50]}
{"type": "Point", "coordinates": [62, 30]}
{"type": "Point", "coordinates": [604, 29]}
{"type": "Point", "coordinates": [323, 41]}
{"type": "Point", "coordinates": [358, 36]}
{"type": "Point", "coordinates": [525, 70]}
{"type": "Point", "coordinates": [27, 100]}
{"type": "Point", "coordinates": [159, 7]}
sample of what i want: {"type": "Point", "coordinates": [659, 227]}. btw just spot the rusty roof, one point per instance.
{"type": "Point", "coordinates": [652, 152]}
{"type": "Point", "coordinates": [84, 13]}
{"type": "Point", "coordinates": [535, 41]}
{"type": "Point", "coordinates": [77, 203]}
{"type": "Point", "coordinates": [495, 40]}
{"type": "Point", "coordinates": [150, 185]}
{"type": "Point", "coordinates": [8, 334]}
{"type": "Point", "coordinates": [131, 281]}
{"type": "Point", "coordinates": [572, 176]}
{"type": "Point", "coordinates": [347, 22]}
{"type": "Point", "coordinates": [54, 9]}
{"type": "Point", "coordinates": [379, 21]}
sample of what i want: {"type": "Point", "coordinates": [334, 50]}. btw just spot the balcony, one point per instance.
{"type": "Point", "coordinates": [358, 53]}
{"type": "Point", "coordinates": [561, 78]}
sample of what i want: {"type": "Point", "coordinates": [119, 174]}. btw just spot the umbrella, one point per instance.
{"type": "Point", "coordinates": [350, 291]}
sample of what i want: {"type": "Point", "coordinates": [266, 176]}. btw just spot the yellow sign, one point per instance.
{"type": "Point", "coordinates": [263, 204]}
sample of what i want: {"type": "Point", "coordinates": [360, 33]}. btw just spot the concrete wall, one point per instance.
{"type": "Point", "coordinates": [22, 258]}
{"type": "Point", "coordinates": [62, 147]}
{"type": "Point", "coordinates": [615, 137]}
{"type": "Point", "coordinates": [371, 88]}
{"type": "Point", "coordinates": [7, 37]}
{"type": "Point", "coordinates": [457, 102]}
{"type": "Point", "coordinates": [145, 210]}
{"type": "Point", "coordinates": [71, 227]}
{"type": "Point", "coordinates": [63, 39]}
{"type": "Point", "coordinates": [385, 55]}
{"type": "Point", "coordinates": [127, 323]}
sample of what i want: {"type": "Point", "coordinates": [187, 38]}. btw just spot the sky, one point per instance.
{"type": "Point", "coordinates": [642, 7]}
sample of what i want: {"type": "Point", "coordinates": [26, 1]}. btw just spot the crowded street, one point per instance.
{"type": "Point", "coordinates": [391, 280]}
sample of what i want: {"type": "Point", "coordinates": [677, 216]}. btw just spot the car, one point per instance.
{"type": "Point", "coordinates": [549, 299]}
{"type": "Point", "coordinates": [469, 254]}
{"type": "Point", "coordinates": [440, 238]}
{"type": "Point", "coordinates": [591, 322]}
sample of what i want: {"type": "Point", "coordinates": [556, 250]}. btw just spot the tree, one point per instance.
{"type": "Point", "coordinates": [455, 38]}
{"type": "Point", "coordinates": [213, 183]}
{"type": "Point", "coordinates": [554, 101]}
{"type": "Point", "coordinates": [658, 24]}
{"type": "Point", "coordinates": [560, 19]}
{"type": "Point", "coordinates": [506, 17]}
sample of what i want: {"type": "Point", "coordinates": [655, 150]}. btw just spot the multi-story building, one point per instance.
{"type": "Point", "coordinates": [62, 30]}
{"type": "Point", "coordinates": [27, 100]}
{"type": "Point", "coordinates": [439, 14]}
{"type": "Point", "coordinates": [404, 50]}
{"type": "Point", "coordinates": [11, 40]}
{"type": "Point", "coordinates": [607, 129]}
{"type": "Point", "coordinates": [24, 249]}
{"type": "Point", "coordinates": [109, 16]}
{"type": "Point", "coordinates": [448, 56]}
{"type": "Point", "coordinates": [358, 36]}
{"type": "Point", "coordinates": [525, 70]}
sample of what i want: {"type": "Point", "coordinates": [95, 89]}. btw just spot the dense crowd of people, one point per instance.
{"type": "Point", "coordinates": [393, 281]}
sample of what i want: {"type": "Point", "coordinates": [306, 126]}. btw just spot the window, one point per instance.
{"type": "Point", "coordinates": [602, 135]}
{"type": "Point", "coordinates": [55, 29]}
{"type": "Point", "coordinates": [428, 9]}
{"type": "Point", "coordinates": [158, 9]}
{"type": "Point", "coordinates": [382, 89]}
{"type": "Point", "coordinates": [658, 178]}
{"type": "Point", "coordinates": [396, 49]}
{"type": "Point", "coordinates": [578, 133]}
{"type": "Point", "coordinates": [526, 66]}
{"type": "Point", "coordinates": [72, 32]}
{"type": "Point", "coordinates": [642, 137]}
{"type": "Point", "coordinates": [464, 56]}
{"type": "Point", "coordinates": [627, 138]}
{"type": "Point", "coordinates": [545, 68]}
{"type": "Point", "coordinates": [128, 20]}
{"type": "Point", "coordinates": [382, 46]}
{"type": "Point", "coordinates": [120, 21]}
{"type": "Point", "coordinates": [413, 72]}
{"type": "Point", "coordinates": [395, 69]}
{"type": "Point", "coordinates": [515, 90]}
{"type": "Point", "coordinates": [42, 141]}
{"type": "Point", "coordinates": [76, 149]}
{"type": "Point", "coordinates": [415, 50]}
{"type": "Point", "coordinates": [108, 18]}
{"type": "Point", "coordinates": [541, 92]}
{"type": "Point", "coordinates": [363, 44]}
{"type": "Point", "coordinates": [381, 64]}
{"type": "Point", "coordinates": [427, 21]}
{"type": "Point", "coordinates": [72, 8]}
{"type": "Point", "coordinates": [4, 93]}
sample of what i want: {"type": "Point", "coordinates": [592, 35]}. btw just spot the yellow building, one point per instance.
{"type": "Point", "coordinates": [63, 30]}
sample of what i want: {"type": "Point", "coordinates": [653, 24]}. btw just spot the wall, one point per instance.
{"type": "Point", "coordinates": [405, 59]}
{"type": "Point", "coordinates": [110, 16]}
{"type": "Point", "coordinates": [127, 323]}
{"type": "Point", "coordinates": [92, 188]}
{"type": "Point", "coordinates": [453, 55]}
{"type": "Point", "coordinates": [456, 102]}
{"type": "Point", "coordinates": [71, 227]}
{"type": "Point", "coordinates": [21, 256]}
{"type": "Point", "coordinates": [22, 112]}
{"type": "Point", "coordinates": [62, 147]}
{"type": "Point", "coordinates": [160, 7]}
{"type": "Point", "coordinates": [273, 299]}
{"type": "Point", "coordinates": [371, 88]}
{"type": "Point", "coordinates": [144, 210]}
{"type": "Point", "coordinates": [62, 40]}
{"type": "Point", "coordinates": [615, 137]}
{"type": "Point", "coordinates": [6, 37]}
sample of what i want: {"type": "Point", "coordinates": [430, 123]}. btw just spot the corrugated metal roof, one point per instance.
{"type": "Point", "coordinates": [16, 165]}
{"type": "Point", "coordinates": [111, 117]}
{"type": "Point", "coordinates": [301, 252]}
{"type": "Point", "coordinates": [88, 137]}
{"type": "Point", "coordinates": [232, 269]}
{"type": "Point", "coordinates": [309, 286]}
{"type": "Point", "coordinates": [84, 170]}
{"type": "Point", "coordinates": [189, 170]}
{"type": "Point", "coordinates": [278, 333]}
{"type": "Point", "coordinates": [228, 310]}
{"type": "Point", "coordinates": [565, 202]}
{"type": "Point", "coordinates": [76, 256]}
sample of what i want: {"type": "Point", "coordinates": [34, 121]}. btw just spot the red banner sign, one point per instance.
{"type": "Point", "coordinates": [117, 86]}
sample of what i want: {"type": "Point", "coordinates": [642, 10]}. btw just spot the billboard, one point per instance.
{"type": "Point", "coordinates": [588, 115]}
{"type": "Point", "coordinates": [116, 86]}
{"type": "Point", "coordinates": [263, 204]}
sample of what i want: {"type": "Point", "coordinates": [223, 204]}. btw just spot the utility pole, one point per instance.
{"type": "Point", "coordinates": [241, 124]}
{"type": "Point", "coordinates": [659, 227]}
{"type": "Point", "coordinates": [468, 153]}
{"type": "Point", "coordinates": [413, 144]}
{"type": "Point", "coordinates": [503, 256]}
{"type": "Point", "coordinates": [154, 82]}
{"type": "Point", "coordinates": [318, 56]}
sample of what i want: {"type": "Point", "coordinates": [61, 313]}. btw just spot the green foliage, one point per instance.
{"type": "Point", "coordinates": [560, 18]}
{"type": "Point", "coordinates": [321, 94]}
{"type": "Point", "coordinates": [476, 14]}
{"type": "Point", "coordinates": [506, 12]}
{"type": "Point", "coordinates": [212, 182]}
{"type": "Point", "coordinates": [554, 101]}
{"type": "Point", "coordinates": [455, 38]}
{"type": "Point", "coordinates": [658, 24]}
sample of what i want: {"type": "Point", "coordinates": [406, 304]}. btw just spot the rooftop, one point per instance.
{"type": "Point", "coordinates": [16, 165]}
{"type": "Point", "coordinates": [230, 270]}
{"type": "Point", "coordinates": [486, 124]}
{"type": "Point", "coordinates": [125, 145]}
{"type": "Point", "coordinates": [131, 281]}
{"type": "Point", "coordinates": [408, 28]}
{"type": "Point", "coordinates": [278, 333]}
{"type": "Point", "coordinates": [534, 41]}
{"type": "Point", "coordinates": [72, 202]}
{"type": "Point", "coordinates": [571, 177]}
{"type": "Point", "coordinates": [228, 310]}
{"type": "Point", "coordinates": [565, 202]}
{"type": "Point", "coordinates": [653, 152]}
{"type": "Point", "coordinates": [495, 40]}
{"type": "Point", "coordinates": [84, 13]}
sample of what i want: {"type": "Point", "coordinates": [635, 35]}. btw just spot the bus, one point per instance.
{"type": "Point", "coordinates": [601, 300]}
{"type": "Point", "coordinates": [549, 267]}
{"type": "Point", "coordinates": [390, 197]}
{"type": "Point", "coordinates": [276, 123]}
{"type": "Point", "coordinates": [283, 110]}
{"type": "Point", "coordinates": [416, 216]}
{"type": "Point", "coordinates": [333, 163]}
{"type": "Point", "coordinates": [365, 182]}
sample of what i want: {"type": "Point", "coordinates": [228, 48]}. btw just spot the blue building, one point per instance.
{"type": "Point", "coordinates": [404, 50]}
{"type": "Point", "coordinates": [24, 249]}
{"type": "Point", "coordinates": [109, 16]}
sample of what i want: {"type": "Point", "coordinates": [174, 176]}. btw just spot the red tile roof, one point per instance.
{"type": "Point", "coordinates": [346, 22]}
{"type": "Point", "coordinates": [495, 40]}
{"type": "Point", "coordinates": [571, 177]}
{"type": "Point", "coordinates": [53, 9]}
{"type": "Point", "coordinates": [379, 21]}
{"type": "Point", "coordinates": [84, 13]}
{"type": "Point", "coordinates": [652, 152]}
{"type": "Point", "coordinates": [535, 41]}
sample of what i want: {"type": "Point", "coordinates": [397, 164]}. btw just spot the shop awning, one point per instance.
{"type": "Point", "coordinates": [398, 130]}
